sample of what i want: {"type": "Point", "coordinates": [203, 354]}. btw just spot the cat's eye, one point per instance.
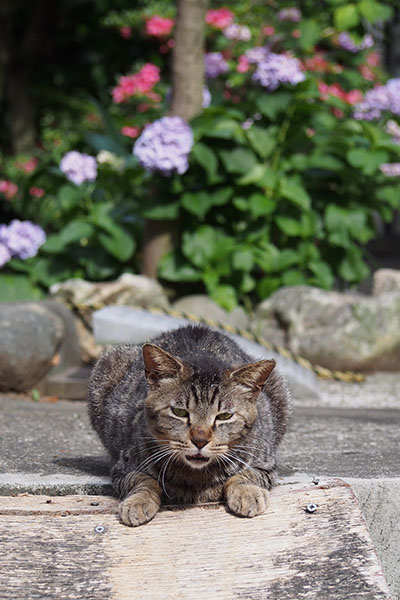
{"type": "Point", "coordinates": [179, 412]}
{"type": "Point", "coordinates": [224, 416]}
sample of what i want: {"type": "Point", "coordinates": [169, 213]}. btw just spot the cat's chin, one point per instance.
{"type": "Point", "coordinates": [197, 461]}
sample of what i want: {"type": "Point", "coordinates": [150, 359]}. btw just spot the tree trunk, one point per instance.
{"type": "Point", "coordinates": [187, 93]}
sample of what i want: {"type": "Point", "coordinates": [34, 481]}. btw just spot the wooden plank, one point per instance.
{"type": "Point", "coordinates": [59, 550]}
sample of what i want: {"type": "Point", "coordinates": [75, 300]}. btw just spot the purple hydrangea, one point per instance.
{"type": "Point", "coordinates": [237, 32]}
{"type": "Point", "coordinates": [256, 54]}
{"type": "Point", "coordinates": [5, 254]}
{"type": "Point", "coordinates": [390, 169]}
{"type": "Point", "coordinates": [290, 14]}
{"type": "Point", "coordinates": [380, 98]}
{"type": "Point", "coordinates": [214, 65]}
{"type": "Point", "coordinates": [22, 238]}
{"type": "Point", "coordinates": [393, 129]}
{"type": "Point", "coordinates": [276, 69]}
{"type": "Point", "coordinates": [165, 146]}
{"type": "Point", "coordinates": [79, 167]}
{"type": "Point", "coordinates": [347, 43]}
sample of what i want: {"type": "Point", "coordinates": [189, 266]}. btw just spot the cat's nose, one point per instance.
{"type": "Point", "coordinates": [200, 437]}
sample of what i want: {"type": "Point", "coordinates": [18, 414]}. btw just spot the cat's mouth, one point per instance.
{"type": "Point", "coordinates": [197, 458]}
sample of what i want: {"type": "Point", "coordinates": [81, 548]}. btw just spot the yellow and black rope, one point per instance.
{"type": "Point", "coordinates": [321, 372]}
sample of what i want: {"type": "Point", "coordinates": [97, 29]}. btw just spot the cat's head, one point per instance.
{"type": "Point", "coordinates": [201, 413]}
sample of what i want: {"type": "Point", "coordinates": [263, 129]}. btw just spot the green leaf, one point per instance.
{"type": "Point", "coordinates": [221, 195]}
{"type": "Point", "coordinates": [261, 140]}
{"type": "Point", "coordinates": [389, 194]}
{"type": "Point", "coordinates": [172, 268]}
{"type": "Point", "coordinates": [167, 212]}
{"type": "Point", "coordinates": [206, 158]}
{"type": "Point", "coordinates": [354, 221]}
{"type": "Point", "coordinates": [310, 33]}
{"type": "Point", "coordinates": [323, 275]}
{"type": "Point", "coordinates": [346, 17]}
{"type": "Point", "coordinates": [240, 160]}
{"type": "Point", "coordinates": [286, 258]}
{"type": "Point", "coordinates": [199, 246]}
{"type": "Point", "coordinates": [119, 244]}
{"type": "Point", "coordinates": [368, 161]}
{"type": "Point", "coordinates": [225, 296]}
{"type": "Point", "coordinates": [75, 231]}
{"type": "Point", "coordinates": [267, 286]}
{"type": "Point", "coordinates": [296, 193]}
{"type": "Point", "coordinates": [294, 277]}
{"type": "Point", "coordinates": [17, 287]}
{"type": "Point", "coordinates": [375, 11]}
{"type": "Point", "coordinates": [104, 142]}
{"type": "Point", "coordinates": [261, 205]}
{"type": "Point", "coordinates": [271, 105]}
{"type": "Point", "coordinates": [243, 260]}
{"type": "Point", "coordinates": [197, 203]}
{"type": "Point", "coordinates": [292, 227]}
{"type": "Point", "coordinates": [255, 175]}
{"type": "Point", "coordinates": [352, 268]}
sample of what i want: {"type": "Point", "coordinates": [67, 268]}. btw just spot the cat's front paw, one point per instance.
{"type": "Point", "coordinates": [138, 508]}
{"type": "Point", "coordinates": [247, 500]}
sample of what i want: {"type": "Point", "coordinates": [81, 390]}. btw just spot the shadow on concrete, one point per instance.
{"type": "Point", "coordinates": [92, 465]}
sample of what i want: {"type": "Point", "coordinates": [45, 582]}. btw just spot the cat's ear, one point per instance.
{"type": "Point", "coordinates": [254, 375]}
{"type": "Point", "coordinates": [159, 364]}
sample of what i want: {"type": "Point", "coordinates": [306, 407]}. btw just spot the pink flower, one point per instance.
{"type": "Point", "coordinates": [296, 33]}
{"type": "Point", "coordinates": [37, 192]}
{"type": "Point", "coordinates": [310, 132]}
{"type": "Point", "coordinates": [373, 59]}
{"type": "Point", "coordinates": [367, 73]}
{"type": "Point", "coordinates": [129, 131]}
{"type": "Point", "coordinates": [140, 83]}
{"type": "Point", "coordinates": [219, 18]}
{"type": "Point", "coordinates": [28, 166]}
{"type": "Point", "coordinates": [354, 96]}
{"type": "Point", "coordinates": [268, 30]}
{"type": "Point", "coordinates": [8, 189]}
{"type": "Point", "coordinates": [243, 64]}
{"type": "Point", "coordinates": [159, 26]}
{"type": "Point", "coordinates": [125, 32]}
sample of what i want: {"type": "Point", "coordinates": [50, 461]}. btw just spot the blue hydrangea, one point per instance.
{"type": "Point", "coordinates": [78, 167]}
{"type": "Point", "coordinates": [379, 99]}
{"type": "Point", "coordinates": [164, 146]}
{"type": "Point", "coordinates": [347, 43]}
{"type": "Point", "coordinates": [22, 239]}
{"type": "Point", "coordinates": [214, 65]}
{"type": "Point", "coordinates": [275, 69]}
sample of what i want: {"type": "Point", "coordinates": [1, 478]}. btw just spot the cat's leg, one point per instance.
{"type": "Point", "coordinates": [140, 498]}
{"type": "Point", "coordinates": [246, 493]}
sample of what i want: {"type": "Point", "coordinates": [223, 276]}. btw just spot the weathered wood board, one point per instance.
{"type": "Point", "coordinates": [71, 549]}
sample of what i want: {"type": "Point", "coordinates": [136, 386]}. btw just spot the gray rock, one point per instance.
{"type": "Point", "coordinates": [338, 331]}
{"type": "Point", "coordinates": [202, 306]}
{"type": "Point", "coordinates": [385, 280]}
{"type": "Point", "coordinates": [127, 290]}
{"type": "Point", "coordinates": [31, 335]}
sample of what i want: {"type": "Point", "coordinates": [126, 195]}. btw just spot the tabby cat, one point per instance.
{"type": "Point", "coordinates": [188, 418]}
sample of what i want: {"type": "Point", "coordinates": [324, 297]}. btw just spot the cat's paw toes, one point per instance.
{"type": "Point", "coordinates": [247, 500]}
{"type": "Point", "coordinates": [137, 509]}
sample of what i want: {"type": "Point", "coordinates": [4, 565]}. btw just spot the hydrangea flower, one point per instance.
{"type": "Point", "coordinates": [214, 65]}
{"type": "Point", "coordinates": [276, 69]}
{"type": "Point", "coordinates": [290, 14]}
{"type": "Point", "coordinates": [380, 98]}
{"type": "Point", "coordinates": [22, 238]}
{"type": "Point", "coordinates": [78, 167]}
{"type": "Point", "coordinates": [159, 26]}
{"type": "Point", "coordinates": [390, 169]}
{"type": "Point", "coordinates": [237, 32]}
{"type": "Point", "coordinates": [141, 82]}
{"type": "Point", "coordinates": [5, 254]}
{"type": "Point", "coordinates": [219, 18]}
{"type": "Point", "coordinates": [165, 145]}
{"type": "Point", "coordinates": [393, 129]}
{"type": "Point", "coordinates": [347, 43]}
{"type": "Point", "coordinates": [256, 54]}
{"type": "Point", "coordinates": [38, 192]}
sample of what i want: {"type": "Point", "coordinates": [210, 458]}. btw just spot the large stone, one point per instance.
{"type": "Point", "coordinates": [84, 297]}
{"type": "Point", "coordinates": [127, 290]}
{"type": "Point", "coordinates": [31, 335]}
{"type": "Point", "coordinates": [202, 306]}
{"type": "Point", "coordinates": [386, 280]}
{"type": "Point", "coordinates": [338, 331]}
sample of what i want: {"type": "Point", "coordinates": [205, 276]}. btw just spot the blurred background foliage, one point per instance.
{"type": "Point", "coordinates": [285, 186]}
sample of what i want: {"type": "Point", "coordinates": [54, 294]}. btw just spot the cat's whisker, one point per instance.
{"type": "Point", "coordinates": [163, 472]}
{"type": "Point", "coordinates": [233, 455]}
{"type": "Point", "coordinates": [152, 459]}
